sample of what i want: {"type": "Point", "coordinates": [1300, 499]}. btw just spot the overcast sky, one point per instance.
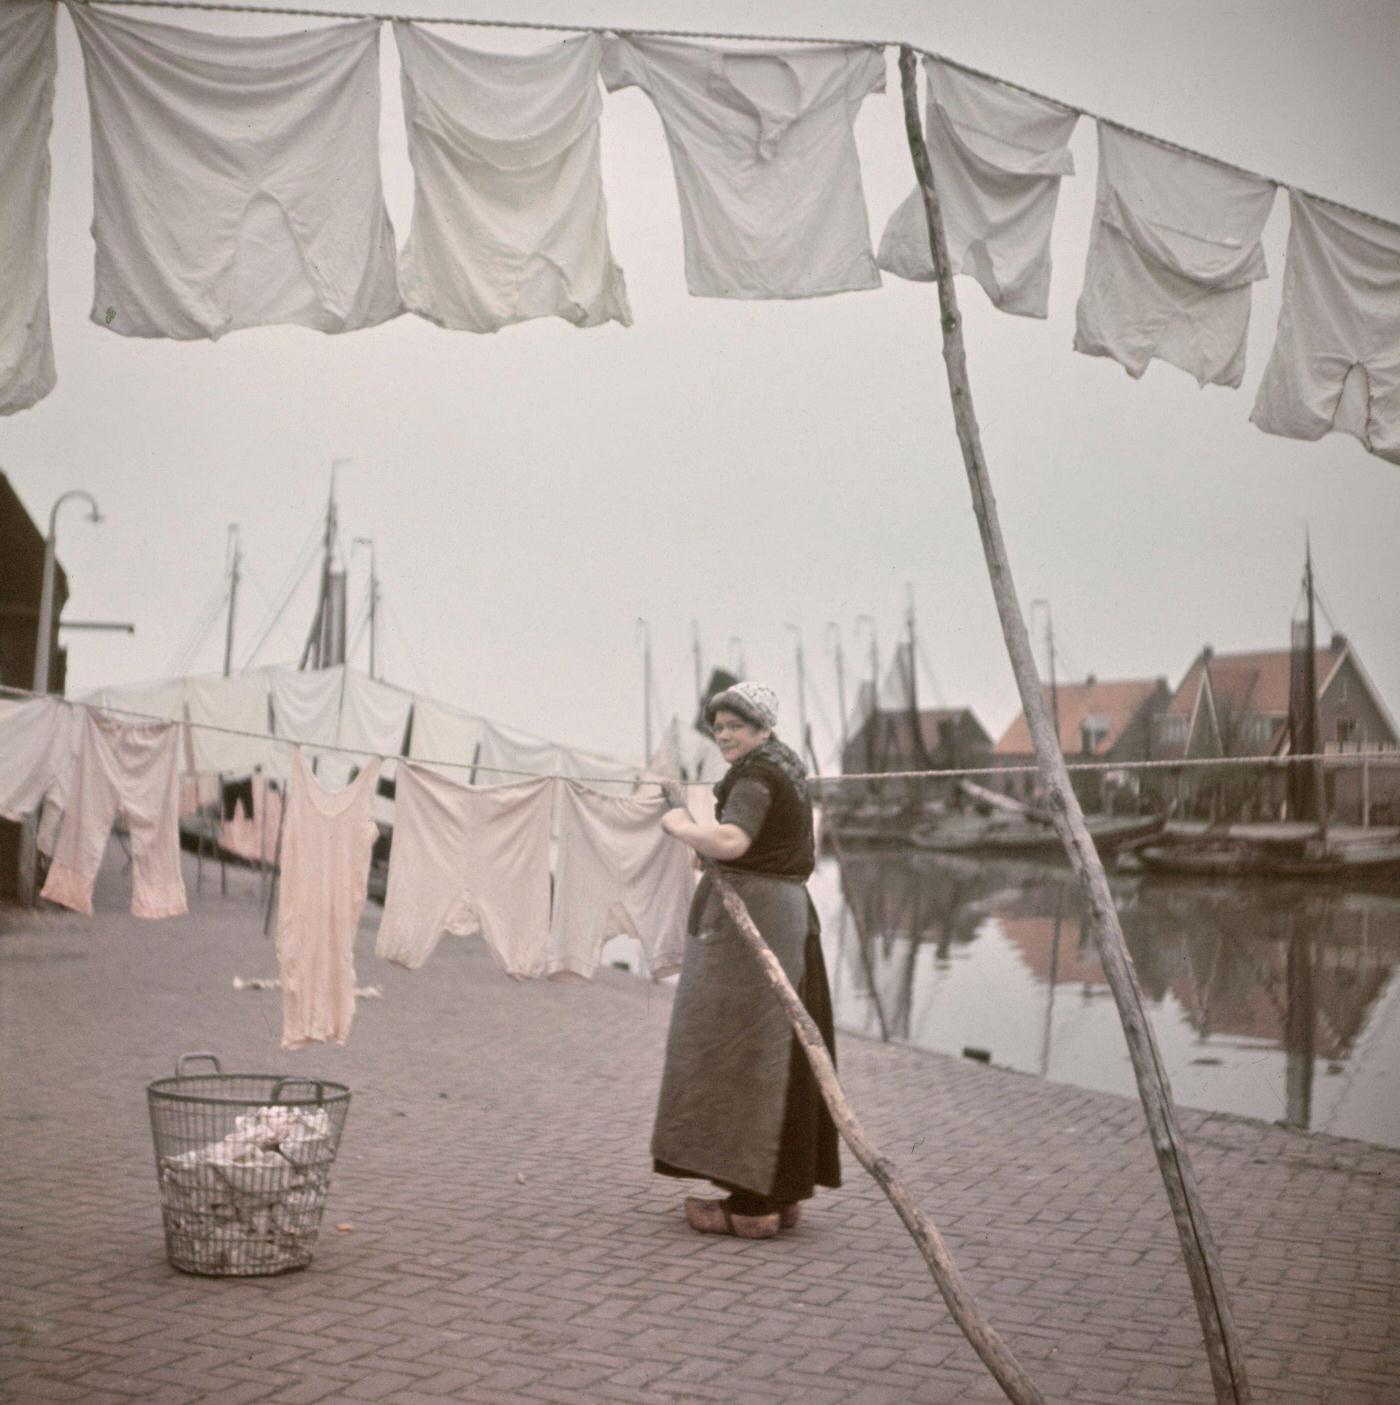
{"type": "Point", "coordinates": [533, 494]}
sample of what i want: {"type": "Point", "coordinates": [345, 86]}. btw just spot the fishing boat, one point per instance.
{"type": "Point", "coordinates": [1027, 836]}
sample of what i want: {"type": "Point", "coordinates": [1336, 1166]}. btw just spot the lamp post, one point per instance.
{"type": "Point", "coordinates": [373, 594]}
{"type": "Point", "coordinates": [42, 648]}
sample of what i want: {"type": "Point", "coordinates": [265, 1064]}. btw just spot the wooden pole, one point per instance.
{"type": "Point", "coordinates": [985, 1342]}
{"type": "Point", "coordinates": [1224, 1349]}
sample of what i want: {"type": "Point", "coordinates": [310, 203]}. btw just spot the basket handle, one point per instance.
{"type": "Point", "coordinates": [186, 1058]}
{"type": "Point", "coordinates": [312, 1082]}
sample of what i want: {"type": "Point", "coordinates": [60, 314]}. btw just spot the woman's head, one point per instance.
{"type": "Point", "coordinates": [742, 718]}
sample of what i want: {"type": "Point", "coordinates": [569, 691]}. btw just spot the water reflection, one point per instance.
{"type": "Point", "coordinates": [1275, 1001]}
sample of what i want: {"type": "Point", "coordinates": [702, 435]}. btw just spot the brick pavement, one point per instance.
{"type": "Point", "coordinates": [509, 1243]}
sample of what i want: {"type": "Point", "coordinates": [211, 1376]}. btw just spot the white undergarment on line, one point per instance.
{"type": "Point", "coordinates": [765, 160]}
{"type": "Point", "coordinates": [1336, 359]}
{"type": "Point", "coordinates": [236, 178]}
{"type": "Point", "coordinates": [1173, 250]}
{"type": "Point", "coordinates": [471, 861]}
{"type": "Point", "coordinates": [619, 874]}
{"type": "Point", "coordinates": [997, 157]}
{"type": "Point", "coordinates": [129, 769]}
{"type": "Point", "coordinates": [509, 219]}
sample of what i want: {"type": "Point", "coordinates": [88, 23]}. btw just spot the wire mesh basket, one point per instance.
{"type": "Point", "coordinates": [244, 1163]}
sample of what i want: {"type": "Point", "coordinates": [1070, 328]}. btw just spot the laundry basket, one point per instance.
{"type": "Point", "coordinates": [244, 1162]}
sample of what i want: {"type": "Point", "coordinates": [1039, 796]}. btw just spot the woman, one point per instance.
{"type": "Point", "coordinates": [739, 1104]}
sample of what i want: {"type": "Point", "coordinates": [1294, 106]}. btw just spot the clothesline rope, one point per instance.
{"type": "Point", "coordinates": [229, 7]}
{"type": "Point", "coordinates": [952, 773]}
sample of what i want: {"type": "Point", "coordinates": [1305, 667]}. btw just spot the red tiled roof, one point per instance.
{"type": "Point", "coordinates": [1256, 682]}
{"type": "Point", "coordinates": [1117, 703]}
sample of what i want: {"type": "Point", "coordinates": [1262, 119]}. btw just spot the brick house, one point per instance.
{"type": "Point", "coordinates": [1237, 705]}
{"type": "Point", "coordinates": [1104, 722]}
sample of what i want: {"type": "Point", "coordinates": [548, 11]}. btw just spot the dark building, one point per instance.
{"type": "Point", "coordinates": [21, 583]}
{"type": "Point", "coordinates": [945, 738]}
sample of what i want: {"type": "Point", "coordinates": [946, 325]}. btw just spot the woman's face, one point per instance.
{"type": "Point", "coordinates": [735, 737]}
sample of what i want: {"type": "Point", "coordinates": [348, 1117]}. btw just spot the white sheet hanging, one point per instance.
{"type": "Point", "coordinates": [306, 704]}
{"type": "Point", "coordinates": [1174, 248]}
{"type": "Point", "coordinates": [444, 734]}
{"type": "Point", "coordinates": [1336, 359]}
{"type": "Point", "coordinates": [163, 700]}
{"type": "Point", "coordinates": [239, 702]}
{"type": "Point", "coordinates": [508, 754]}
{"type": "Point", "coordinates": [764, 158]}
{"type": "Point", "coordinates": [374, 717]}
{"type": "Point", "coordinates": [39, 741]}
{"type": "Point", "coordinates": [997, 157]}
{"type": "Point", "coordinates": [28, 61]}
{"type": "Point", "coordinates": [509, 219]}
{"type": "Point", "coordinates": [236, 178]}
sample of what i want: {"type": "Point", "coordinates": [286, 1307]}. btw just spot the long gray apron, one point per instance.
{"type": "Point", "coordinates": [724, 1088]}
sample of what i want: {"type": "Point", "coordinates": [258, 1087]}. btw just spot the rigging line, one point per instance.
{"type": "Point", "coordinates": [392, 615]}
{"type": "Point", "coordinates": [298, 580]}
{"type": "Point", "coordinates": [198, 632]}
{"type": "Point", "coordinates": [228, 7]}
{"type": "Point", "coordinates": [1383, 757]}
{"type": "Point", "coordinates": [292, 579]}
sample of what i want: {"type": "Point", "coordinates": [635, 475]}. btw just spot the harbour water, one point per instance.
{"type": "Point", "coordinates": [1275, 1000]}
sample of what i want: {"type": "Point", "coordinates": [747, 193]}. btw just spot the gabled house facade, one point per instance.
{"type": "Point", "coordinates": [1233, 705]}
{"type": "Point", "coordinates": [1103, 722]}
{"type": "Point", "coordinates": [944, 738]}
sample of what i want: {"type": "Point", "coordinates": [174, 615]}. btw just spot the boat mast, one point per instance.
{"type": "Point", "coordinates": [316, 639]}
{"type": "Point", "coordinates": [1315, 709]}
{"type": "Point", "coordinates": [232, 598]}
{"type": "Point", "coordinates": [833, 633]}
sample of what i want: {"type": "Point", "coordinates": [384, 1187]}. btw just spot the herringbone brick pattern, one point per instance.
{"type": "Point", "coordinates": [510, 1245]}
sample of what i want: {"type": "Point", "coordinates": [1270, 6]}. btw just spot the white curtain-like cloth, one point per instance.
{"type": "Point", "coordinates": [1174, 248]}
{"type": "Point", "coordinates": [765, 160]}
{"type": "Point", "coordinates": [509, 219]}
{"type": "Point", "coordinates": [28, 62]}
{"type": "Point", "coordinates": [375, 717]}
{"type": "Point", "coordinates": [998, 156]}
{"type": "Point", "coordinates": [238, 702]}
{"type": "Point", "coordinates": [306, 705]}
{"type": "Point", "coordinates": [236, 179]}
{"type": "Point", "coordinates": [39, 741]}
{"type": "Point", "coordinates": [163, 700]}
{"type": "Point", "coordinates": [1336, 359]}
{"type": "Point", "coordinates": [444, 734]}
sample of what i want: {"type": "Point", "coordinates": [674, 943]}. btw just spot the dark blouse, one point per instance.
{"type": "Point", "coordinates": [759, 796]}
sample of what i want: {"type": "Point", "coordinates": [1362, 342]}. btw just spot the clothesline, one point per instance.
{"type": "Point", "coordinates": [228, 6]}
{"type": "Point", "coordinates": [949, 773]}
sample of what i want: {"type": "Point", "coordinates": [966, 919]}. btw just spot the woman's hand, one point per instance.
{"type": "Point", "coordinates": [675, 821]}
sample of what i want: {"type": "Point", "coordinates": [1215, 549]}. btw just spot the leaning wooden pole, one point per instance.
{"type": "Point", "coordinates": [1223, 1346]}
{"type": "Point", "coordinates": [969, 1317]}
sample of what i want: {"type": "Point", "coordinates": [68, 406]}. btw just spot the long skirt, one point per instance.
{"type": "Point", "coordinates": [739, 1104]}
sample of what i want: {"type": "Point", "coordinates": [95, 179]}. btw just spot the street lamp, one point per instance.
{"type": "Point", "coordinates": [42, 647]}
{"type": "Point", "coordinates": [373, 592]}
